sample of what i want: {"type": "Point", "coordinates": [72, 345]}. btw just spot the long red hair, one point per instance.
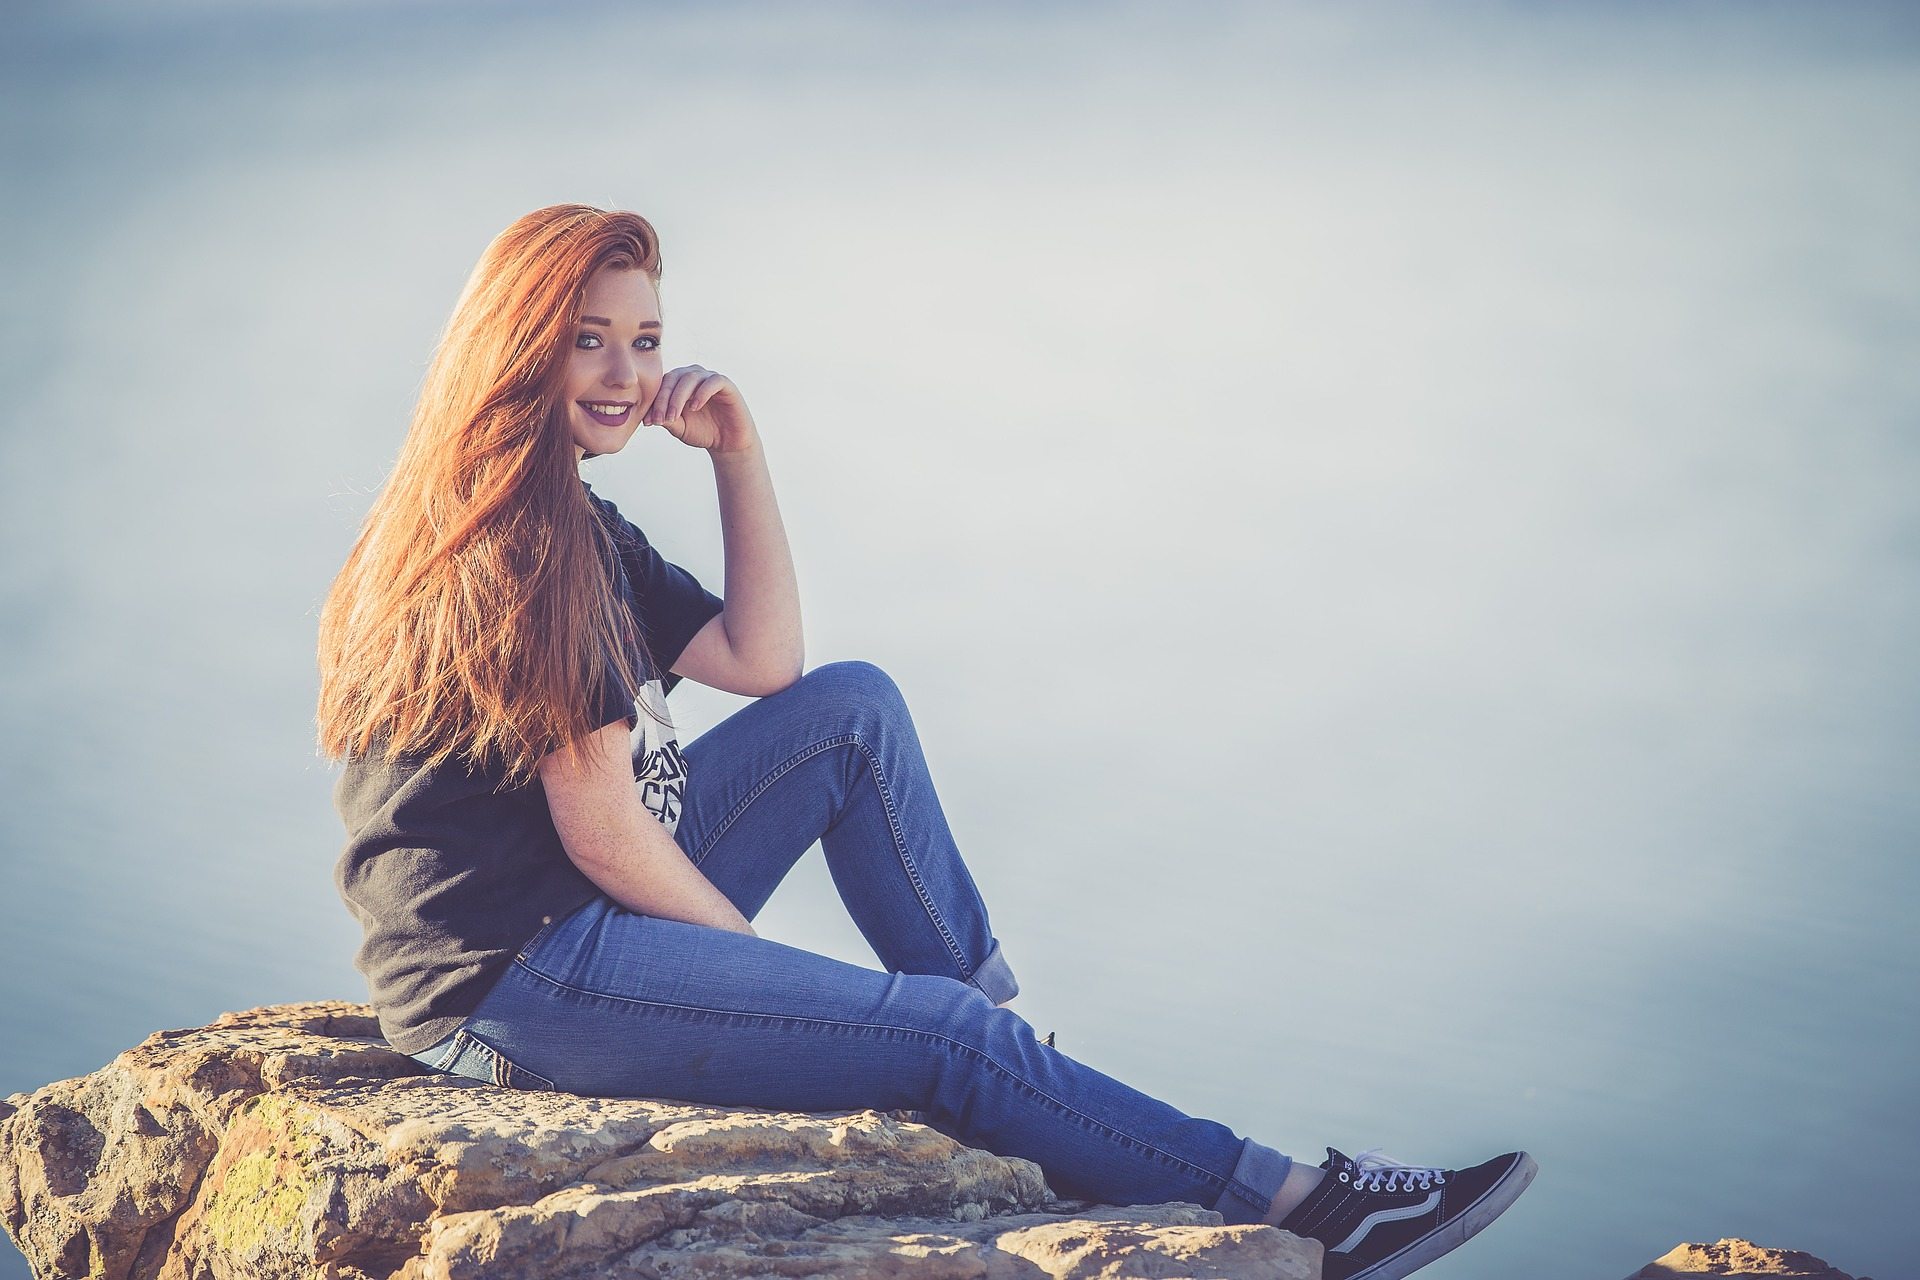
{"type": "Point", "coordinates": [476, 611]}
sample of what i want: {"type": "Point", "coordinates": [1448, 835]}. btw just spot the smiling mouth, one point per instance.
{"type": "Point", "coordinates": [608, 413]}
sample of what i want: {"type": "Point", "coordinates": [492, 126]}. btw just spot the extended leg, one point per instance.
{"type": "Point", "coordinates": [613, 1003]}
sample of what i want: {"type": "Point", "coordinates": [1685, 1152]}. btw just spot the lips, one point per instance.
{"type": "Point", "coordinates": [607, 419]}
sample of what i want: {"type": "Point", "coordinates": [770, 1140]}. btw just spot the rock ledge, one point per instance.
{"type": "Point", "coordinates": [291, 1141]}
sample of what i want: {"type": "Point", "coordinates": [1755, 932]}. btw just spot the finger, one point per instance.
{"type": "Point", "coordinates": [715, 383]}
{"type": "Point", "coordinates": [683, 392]}
{"type": "Point", "coordinates": [657, 409]}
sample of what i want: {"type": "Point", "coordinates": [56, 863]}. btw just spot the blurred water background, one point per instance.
{"type": "Point", "coordinates": [1397, 524]}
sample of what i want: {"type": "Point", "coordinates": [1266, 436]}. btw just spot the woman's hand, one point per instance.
{"type": "Point", "coordinates": [704, 409]}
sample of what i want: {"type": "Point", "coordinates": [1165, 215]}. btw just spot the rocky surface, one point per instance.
{"type": "Point", "coordinates": [1738, 1258]}
{"type": "Point", "coordinates": [291, 1141]}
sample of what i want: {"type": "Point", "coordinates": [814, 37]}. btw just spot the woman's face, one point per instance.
{"type": "Point", "coordinates": [614, 360]}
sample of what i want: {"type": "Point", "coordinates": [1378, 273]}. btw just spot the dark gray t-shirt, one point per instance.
{"type": "Point", "coordinates": [448, 878]}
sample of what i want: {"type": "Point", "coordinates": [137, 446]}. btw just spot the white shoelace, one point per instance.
{"type": "Point", "coordinates": [1383, 1173]}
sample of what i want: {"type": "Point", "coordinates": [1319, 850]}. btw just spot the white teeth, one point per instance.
{"type": "Point", "coordinates": [609, 409]}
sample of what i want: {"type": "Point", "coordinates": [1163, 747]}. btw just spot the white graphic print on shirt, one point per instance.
{"type": "Point", "coordinates": [660, 771]}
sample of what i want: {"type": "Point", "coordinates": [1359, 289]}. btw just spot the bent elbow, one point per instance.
{"type": "Point", "coordinates": [780, 680]}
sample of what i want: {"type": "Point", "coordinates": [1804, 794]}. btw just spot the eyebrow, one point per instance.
{"type": "Point", "coordinates": [644, 324]}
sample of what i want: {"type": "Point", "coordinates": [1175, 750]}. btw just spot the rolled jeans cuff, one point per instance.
{"type": "Point", "coordinates": [1255, 1180]}
{"type": "Point", "coordinates": [995, 977]}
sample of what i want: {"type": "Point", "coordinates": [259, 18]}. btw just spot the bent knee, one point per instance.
{"type": "Point", "coordinates": [859, 692]}
{"type": "Point", "coordinates": [854, 673]}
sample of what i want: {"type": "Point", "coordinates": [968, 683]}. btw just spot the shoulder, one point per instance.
{"type": "Point", "coordinates": [618, 525]}
{"type": "Point", "coordinates": [601, 506]}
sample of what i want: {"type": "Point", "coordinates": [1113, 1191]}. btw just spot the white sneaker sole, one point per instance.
{"type": "Point", "coordinates": [1469, 1223]}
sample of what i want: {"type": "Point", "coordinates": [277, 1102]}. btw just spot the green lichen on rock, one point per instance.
{"type": "Point", "coordinates": [259, 1199]}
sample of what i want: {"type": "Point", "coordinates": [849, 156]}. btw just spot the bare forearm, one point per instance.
{"type": "Point", "coordinates": [636, 862]}
{"type": "Point", "coordinates": [763, 598]}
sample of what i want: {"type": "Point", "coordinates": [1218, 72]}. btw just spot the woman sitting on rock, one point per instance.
{"type": "Point", "coordinates": [557, 894]}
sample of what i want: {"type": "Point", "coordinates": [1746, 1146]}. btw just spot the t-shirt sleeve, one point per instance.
{"type": "Point", "coordinates": [670, 605]}
{"type": "Point", "coordinates": [613, 702]}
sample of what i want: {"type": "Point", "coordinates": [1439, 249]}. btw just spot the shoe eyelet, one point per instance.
{"type": "Point", "coordinates": [1343, 1177]}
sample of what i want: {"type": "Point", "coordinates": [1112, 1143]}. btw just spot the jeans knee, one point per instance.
{"type": "Point", "coordinates": [860, 693]}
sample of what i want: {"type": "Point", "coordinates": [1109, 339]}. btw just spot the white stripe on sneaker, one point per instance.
{"type": "Point", "coordinates": [1379, 1216]}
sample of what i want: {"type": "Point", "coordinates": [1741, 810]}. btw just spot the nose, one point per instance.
{"type": "Point", "coordinates": [622, 370]}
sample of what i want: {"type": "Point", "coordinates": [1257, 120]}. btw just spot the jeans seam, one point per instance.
{"type": "Point", "coordinates": [503, 1066]}
{"type": "Point", "coordinates": [1249, 1196]}
{"type": "Point", "coordinates": [1225, 1182]}
{"type": "Point", "coordinates": [452, 1050]}
{"type": "Point", "coordinates": [906, 856]}
{"type": "Point", "coordinates": [773, 775]}
{"type": "Point", "coordinates": [532, 944]}
{"type": "Point", "coordinates": [893, 825]}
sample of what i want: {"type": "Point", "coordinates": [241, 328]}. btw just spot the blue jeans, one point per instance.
{"type": "Point", "coordinates": [608, 1002]}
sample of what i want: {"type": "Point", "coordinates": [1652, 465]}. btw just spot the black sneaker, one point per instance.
{"type": "Point", "coordinates": [1381, 1219]}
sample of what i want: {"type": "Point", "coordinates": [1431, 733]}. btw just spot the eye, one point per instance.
{"type": "Point", "coordinates": [580, 342]}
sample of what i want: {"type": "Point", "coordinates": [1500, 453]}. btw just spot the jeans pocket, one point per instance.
{"type": "Point", "coordinates": [532, 944]}
{"type": "Point", "coordinates": [478, 1059]}
{"type": "Point", "coordinates": [437, 1057]}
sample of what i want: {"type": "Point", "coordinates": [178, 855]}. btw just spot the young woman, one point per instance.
{"type": "Point", "coordinates": [557, 894]}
